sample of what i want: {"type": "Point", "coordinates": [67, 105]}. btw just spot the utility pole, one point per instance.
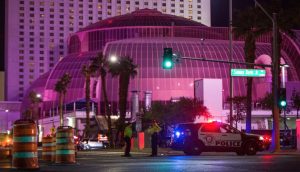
{"type": "Point", "coordinates": [275, 79]}
{"type": "Point", "coordinates": [275, 82]}
{"type": "Point", "coordinates": [230, 58]}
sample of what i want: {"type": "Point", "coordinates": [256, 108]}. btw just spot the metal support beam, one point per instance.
{"type": "Point", "coordinates": [224, 61]}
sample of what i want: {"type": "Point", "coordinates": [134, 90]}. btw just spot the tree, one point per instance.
{"type": "Point", "coordinates": [99, 68]}
{"type": "Point", "coordinates": [267, 101]}
{"type": "Point", "coordinates": [240, 107]}
{"type": "Point", "coordinates": [87, 72]}
{"type": "Point", "coordinates": [248, 25]}
{"type": "Point", "coordinates": [34, 100]}
{"type": "Point", "coordinates": [61, 88]}
{"type": "Point", "coordinates": [124, 69]}
{"type": "Point", "coordinates": [296, 101]}
{"type": "Point", "coordinates": [184, 110]}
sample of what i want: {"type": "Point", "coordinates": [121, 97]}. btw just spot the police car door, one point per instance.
{"type": "Point", "coordinates": [210, 135]}
{"type": "Point", "coordinates": [231, 137]}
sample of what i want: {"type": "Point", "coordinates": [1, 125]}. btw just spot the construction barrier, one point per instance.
{"type": "Point", "coordinates": [49, 147]}
{"type": "Point", "coordinates": [25, 155]}
{"type": "Point", "coordinates": [141, 140]}
{"type": "Point", "coordinates": [65, 148]}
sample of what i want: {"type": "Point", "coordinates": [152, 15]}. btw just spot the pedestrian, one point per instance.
{"type": "Point", "coordinates": [127, 138]}
{"type": "Point", "coordinates": [154, 129]}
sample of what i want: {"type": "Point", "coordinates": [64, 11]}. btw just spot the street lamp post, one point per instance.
{"type": "Point", "coordinates": [230, 58]}
{"type": "Point", "coordinates": [275, 80]}
{"type": "Point", "coordinates": [283, 81]}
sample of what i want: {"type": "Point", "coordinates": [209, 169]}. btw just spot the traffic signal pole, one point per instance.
{"type": "Point", "coordinates": [275, 77]}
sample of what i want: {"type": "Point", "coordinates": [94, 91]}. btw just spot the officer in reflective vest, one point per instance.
{"type": "Point", "coordinates": [154, 129]}
{"type": "Point", "coordinates": [127, 138]}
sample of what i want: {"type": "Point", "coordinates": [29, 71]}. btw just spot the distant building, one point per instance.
{"type": "Point", "coordinates": [9, 113]}
{"type": "Point", "coordinates": [37, 30]}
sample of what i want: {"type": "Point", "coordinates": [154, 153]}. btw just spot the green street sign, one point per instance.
{"type": "Point", "coordinates": [248, 72]}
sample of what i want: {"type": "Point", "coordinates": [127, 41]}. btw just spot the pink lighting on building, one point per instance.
{"type": "Point", "coordinates": [142, 35]}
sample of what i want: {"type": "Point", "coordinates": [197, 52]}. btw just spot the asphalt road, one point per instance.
{"type": "Point", "coordinates": [101, 161]}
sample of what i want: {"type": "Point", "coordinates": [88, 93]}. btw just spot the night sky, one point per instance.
{"type": "Point", "coordinates": [220, 10]}
{"type": "Point", "coordinates": [2, 13]}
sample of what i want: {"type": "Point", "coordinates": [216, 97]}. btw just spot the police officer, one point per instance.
{"type": "Point", "coordinates": [154, 129]}
{"type": "Point", "coordinates": [127, 138]}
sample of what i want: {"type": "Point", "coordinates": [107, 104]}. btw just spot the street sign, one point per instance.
{"type": "Point", "coordinates": [248, 72]}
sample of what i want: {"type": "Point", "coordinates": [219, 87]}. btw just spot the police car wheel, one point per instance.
{"type": "Point", "coordinates": [193, 149]}
{"type": "Point", "coordinates": [250, 148]}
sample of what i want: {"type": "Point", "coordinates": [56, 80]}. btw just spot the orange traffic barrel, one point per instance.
{"type": "Point", "coordinates": [24, 153]}
{"type": "Point", "coordinates": [65, 148]}
{"type": "Point", "coordinates": [49, 146]}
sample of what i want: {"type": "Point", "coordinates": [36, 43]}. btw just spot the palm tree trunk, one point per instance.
{"type": "Point", "coordinates": [61, 116]}
{"type": "Point", "coordinates": [87, 110]}
{"type": "Point", "coordinates": [107, 110]}
{"type": "Point", "coordinates": [123, 93]}
{"type": "Point", "coordinates": [249, 105]}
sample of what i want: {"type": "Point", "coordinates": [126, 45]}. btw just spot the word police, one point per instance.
{"type": "Point", "coordinates": [228, 143]}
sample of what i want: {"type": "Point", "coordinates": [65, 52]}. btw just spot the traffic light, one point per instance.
{"type": "Point", "coordinates": [282, 98]}
{"type": "Point", "coordinates": [168, 59]}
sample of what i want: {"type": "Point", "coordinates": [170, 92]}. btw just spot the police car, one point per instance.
{"type": "Point", "coordinates": [194, 138]}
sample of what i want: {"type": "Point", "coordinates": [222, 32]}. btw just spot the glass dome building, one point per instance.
{"type": "Point", "coordinates": [142, 35]}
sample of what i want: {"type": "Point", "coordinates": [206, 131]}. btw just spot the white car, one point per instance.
{"type": "Point", "coordinates": [90, 144]}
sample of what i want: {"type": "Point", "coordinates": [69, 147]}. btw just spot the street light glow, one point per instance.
{"type": "Point", "coordinates": [113, 59]}
{"type": "Point", "coordinates": [38, 95]}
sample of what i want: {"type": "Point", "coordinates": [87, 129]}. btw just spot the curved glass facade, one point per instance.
{"type": "Point", "coordinates": [142, 37]}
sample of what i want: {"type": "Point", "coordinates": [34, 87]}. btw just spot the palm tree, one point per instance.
{"type": "Point", "coordinates": [34, 101]}
{"type": "Point", "coordinates": [61, 88]}
{"type": "Point", "coordinates": [248, 25]}
{"type": "Point", "coordinates": [87, 72]}
{"type": "Point", "coordinates": [99, 68]}
{"type": "Point", "coordinates": [124, 69]}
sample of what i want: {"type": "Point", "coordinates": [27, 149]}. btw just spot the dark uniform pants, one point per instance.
{"type": "Point", "coordinates": [128, 145]}
{"type": "Point", "coordinates": [154, 142]}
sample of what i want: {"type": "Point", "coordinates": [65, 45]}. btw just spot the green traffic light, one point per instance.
{"type": "Point", "coordinates": [282, 103]}
{"type": "Point", "coordinates": [168, 64]}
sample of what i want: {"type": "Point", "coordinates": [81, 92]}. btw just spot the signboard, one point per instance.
{"type": "Point", "coordinates": [248, 72]}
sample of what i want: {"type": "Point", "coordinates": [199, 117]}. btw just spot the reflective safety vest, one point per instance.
{"type": "Point", "coordinates": [154, 129]}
